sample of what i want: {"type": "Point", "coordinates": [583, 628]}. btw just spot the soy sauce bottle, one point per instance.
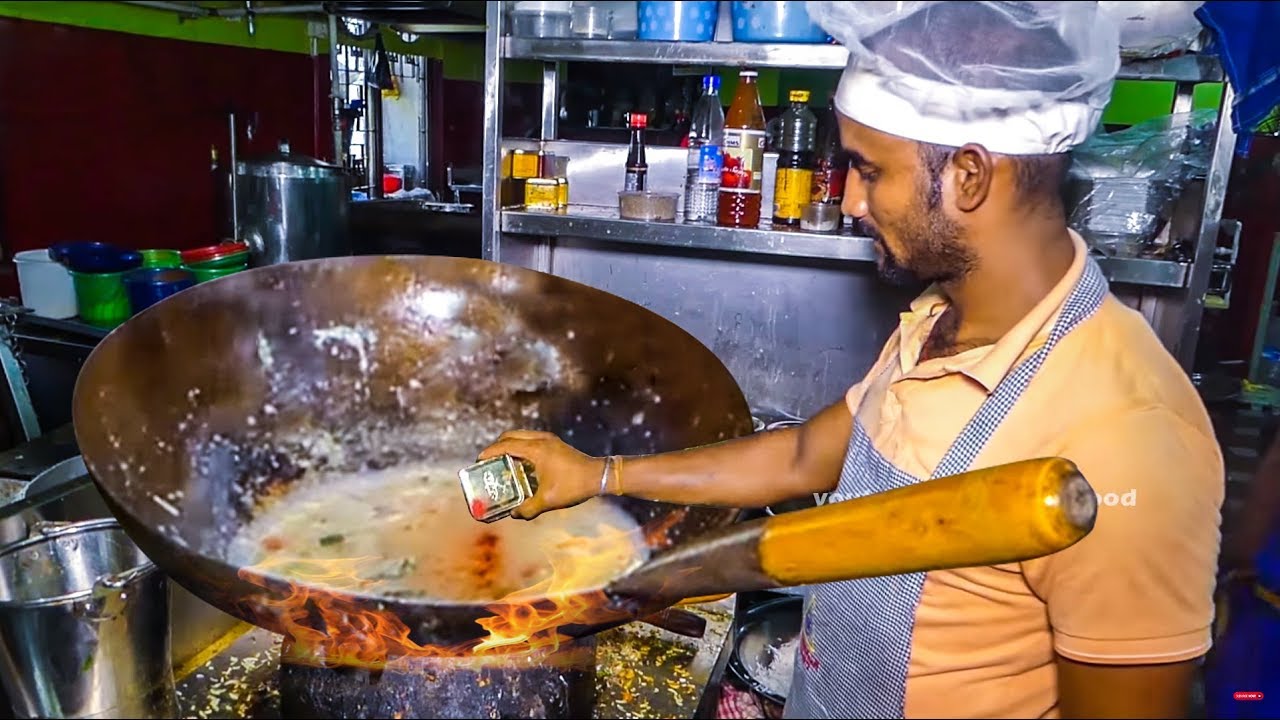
{"type": "Point", "coordinates": [637, 167]}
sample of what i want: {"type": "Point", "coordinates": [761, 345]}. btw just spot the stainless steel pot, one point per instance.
{"type": "Point", "coordinates": [84, 625]}
{"type": "Point", "coordinates": [292, 207]}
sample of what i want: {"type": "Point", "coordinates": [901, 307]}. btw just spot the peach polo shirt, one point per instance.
{"type": "Point", "coordinates": [1139, 588]}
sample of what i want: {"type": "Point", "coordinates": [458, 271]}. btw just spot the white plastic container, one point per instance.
{"type": "Point", "coordinates": [45, 285]}
{"type": "Point", "coordinates": [544, 6]}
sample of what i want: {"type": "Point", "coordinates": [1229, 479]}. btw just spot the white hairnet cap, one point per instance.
{"type": "Point", "coordinates": [1019, 78]}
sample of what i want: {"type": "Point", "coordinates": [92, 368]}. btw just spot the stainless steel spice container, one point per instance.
{"type": "Point", "coordinates": [493, 488]}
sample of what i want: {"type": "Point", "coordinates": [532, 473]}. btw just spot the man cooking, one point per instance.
{"type": "Point", "coordinates": [959, 117]}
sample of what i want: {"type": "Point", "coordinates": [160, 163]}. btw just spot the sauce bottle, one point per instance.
{"type": "Point", "coordinates": [637, 167]}
{"type": "Point", "coordinates": [739, 202]}
{"type": "Point", "coordinates": [831, 164]}
{"type": "Point", "coordinates": [795, 160]}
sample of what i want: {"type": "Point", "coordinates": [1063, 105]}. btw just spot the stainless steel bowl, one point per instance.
{"type": "Point", "coordinates": [537, 24]}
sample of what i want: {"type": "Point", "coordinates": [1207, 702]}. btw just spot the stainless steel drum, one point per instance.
{"type": "Point", "coordinates": [292, 207]}
{"type": "Point", "coordinates": [84, 625]}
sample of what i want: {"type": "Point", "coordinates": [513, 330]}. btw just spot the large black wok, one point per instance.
{"type": "Point", "coordinates": [195, 409]}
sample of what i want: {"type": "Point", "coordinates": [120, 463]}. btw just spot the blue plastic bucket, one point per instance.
{"type": "Point", "coordinates": [148, 286]}
{"type": "Point", "coordinates": [775, 22]}
{"type": "Point", "coordinates": [94, 257]}
{"type": "Point", "coordinates": [682, 21]}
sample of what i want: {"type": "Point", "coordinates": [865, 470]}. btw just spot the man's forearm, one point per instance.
{"type": "Point", "coordinates": [1124, 691]}
{"type": "Point", "coordinates": [752, 471]}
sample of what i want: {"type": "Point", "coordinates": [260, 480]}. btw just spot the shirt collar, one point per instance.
{"type": "Point", "coordinates": [986, 365]}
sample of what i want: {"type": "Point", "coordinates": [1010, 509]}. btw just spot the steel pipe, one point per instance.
{"type": "Point", "coordinates": [195, 10]}
{"type": "Point", "coordinates": [291, 9]}
{"type": "Point", "coordinates": [235, 182]}
{"type": "Point", "coordinates": [189, 9]}
{"type": "Point", "coordinates": [335, 104]}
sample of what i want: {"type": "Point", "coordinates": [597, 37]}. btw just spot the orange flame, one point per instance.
{"type": "Point", "coordinates": [327, 625]}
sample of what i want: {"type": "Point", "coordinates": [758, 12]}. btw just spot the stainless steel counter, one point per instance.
{"type": "Point", "coordinates": [642, 672]}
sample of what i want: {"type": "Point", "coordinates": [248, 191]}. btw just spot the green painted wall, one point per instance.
{"type": "Point", "coordinates": [1132, 101]}
{"type": "Point", "coordinates": [463, 60]}
{"type": "Point", "coordinates": [271, 32]}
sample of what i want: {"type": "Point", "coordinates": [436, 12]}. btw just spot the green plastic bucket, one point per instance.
{"type": "Point", "coordinates": [204, 274]}
{"type": "Point", "coordinates": [101, 299]}
{"type": "Point", "coordinates": [161, 259]}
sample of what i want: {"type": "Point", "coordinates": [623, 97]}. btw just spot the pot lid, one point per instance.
{"type": "Point", "coordinates": [285, 162]}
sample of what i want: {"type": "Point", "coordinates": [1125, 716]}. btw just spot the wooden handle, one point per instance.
{"type": "Point", "coordinates": [1002, 514]}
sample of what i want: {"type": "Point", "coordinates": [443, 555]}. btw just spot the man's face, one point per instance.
{"type": "Point", "coordinates": [901, 208]}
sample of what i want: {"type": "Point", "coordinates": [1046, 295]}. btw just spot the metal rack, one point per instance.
{"type": "Point", "coordinates": [591, 244]}
{"type": "Point", "coordinates": [603, 223]}
{"type": "Point", "coordinates": [1186, 68]}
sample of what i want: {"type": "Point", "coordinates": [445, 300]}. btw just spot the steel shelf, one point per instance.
{"type": "Point", "coordinates": [1148, 272]}
{"type": "Point", "coordinates": [599, 223]}
{"type": "Point", "coordinates": [604, 224]}
{"type": "Point", "coordinates": [1187, 68]}
{"type": "Point", "coordinates": [678, 53]}
{"type": "Point", "coordinates": [1183, 69]}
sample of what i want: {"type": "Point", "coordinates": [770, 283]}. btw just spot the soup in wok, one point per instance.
{"type": "Point", "coordinates": [405, 532]}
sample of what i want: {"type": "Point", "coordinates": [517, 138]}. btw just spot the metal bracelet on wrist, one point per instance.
{"type": "Point", "coordinates": [604, 476]}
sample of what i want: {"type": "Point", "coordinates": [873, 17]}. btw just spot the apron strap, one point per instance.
{"type": "Point", "coordinates": [1085, 299]}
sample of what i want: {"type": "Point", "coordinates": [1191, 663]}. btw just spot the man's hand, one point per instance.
{"type": "Point", "coordinates": [1124, 691]}
{"type": "Point", "coordinates": [751, 471]}
{"type": "Point", "coordinates": [565, 476]}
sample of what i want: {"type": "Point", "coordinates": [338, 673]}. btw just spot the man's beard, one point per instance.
{"type": "Point", "coordinates": [937, 254]}
{"type": "Point", "coordinates": [891, 269]}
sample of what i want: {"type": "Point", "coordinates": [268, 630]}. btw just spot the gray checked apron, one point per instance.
{"type": "Point", "coordinates": [855, 645]}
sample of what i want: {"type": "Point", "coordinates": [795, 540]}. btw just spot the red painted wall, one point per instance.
{"type": "Point", "coordinates": [462, 120]}
{"type": "Point", "coordinates": [105, 136]}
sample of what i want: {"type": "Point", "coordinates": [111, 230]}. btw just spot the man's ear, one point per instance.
{"type": "Point", "coordinates": [973, 169]}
